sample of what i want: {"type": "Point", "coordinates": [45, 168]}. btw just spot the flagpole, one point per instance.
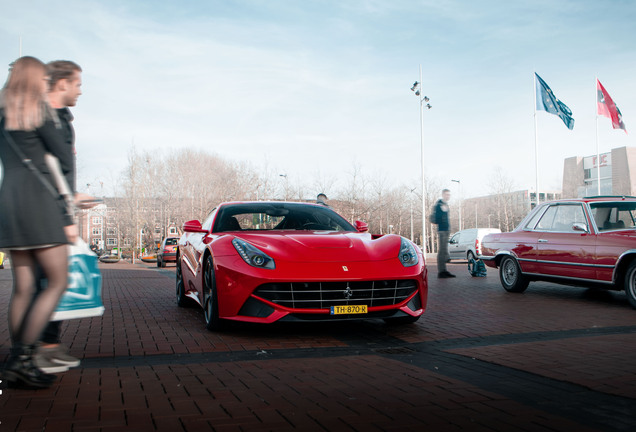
{"type": "Point", "coordinates": [536, 144]}
{"type": "Point", "coordinates": [598, 154]}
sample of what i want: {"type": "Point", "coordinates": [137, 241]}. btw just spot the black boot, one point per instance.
{"type": "Point", "coordinates": [20, 370]}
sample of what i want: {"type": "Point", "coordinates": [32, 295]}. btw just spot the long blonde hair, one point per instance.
{"type": "Point", "coordinates": [24, 95]}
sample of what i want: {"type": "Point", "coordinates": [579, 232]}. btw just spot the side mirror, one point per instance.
{"type": "Point", "coordinates": [579, 227]}
{"type": "Point", "coordinates": [361, 226]}
{"type": "Point", "coordinates": [193, 226]}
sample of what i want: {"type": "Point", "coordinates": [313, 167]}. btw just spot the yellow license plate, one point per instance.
{"type": "Point", "coordinates": [348, 309]}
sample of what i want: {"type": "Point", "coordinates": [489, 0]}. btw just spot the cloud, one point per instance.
{"type": "Point", "coordinates": [326, 83]}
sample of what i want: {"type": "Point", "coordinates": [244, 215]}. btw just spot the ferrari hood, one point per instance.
{"type": "Point", "coordinates": [325, 246]}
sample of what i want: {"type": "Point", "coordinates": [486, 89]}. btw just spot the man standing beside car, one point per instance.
{"type": "Point", "coordinates": [442, 220]}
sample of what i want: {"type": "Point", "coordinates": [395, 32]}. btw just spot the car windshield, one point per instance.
{"type": "Point", "coordinates": [614, 215]}
{"type": "Point", "coordinates": [278, 216]}
{"type": "Point", "coordinates": [172, 241]}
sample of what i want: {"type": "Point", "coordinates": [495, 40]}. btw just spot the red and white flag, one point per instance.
{"type": "Point", "coordinates": [606, 107]}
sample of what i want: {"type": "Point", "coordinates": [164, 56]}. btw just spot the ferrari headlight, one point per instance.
{"type": "Point", "coordinates": [252, 255]}
{"type": "Point", "coordinates": [408, 255]}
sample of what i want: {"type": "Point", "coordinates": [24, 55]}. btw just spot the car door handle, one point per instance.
{"type": "Point", "coordinates": [543, 240]}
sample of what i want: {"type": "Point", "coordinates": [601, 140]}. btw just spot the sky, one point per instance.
{"type": "Point", "coordinates": [321, 88]}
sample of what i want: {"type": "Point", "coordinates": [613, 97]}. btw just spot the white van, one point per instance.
{"type": "Point", "coordinates": [466, 244]}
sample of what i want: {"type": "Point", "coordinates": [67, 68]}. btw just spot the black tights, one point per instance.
{"type": "Point", "coordinates": [29, 316]}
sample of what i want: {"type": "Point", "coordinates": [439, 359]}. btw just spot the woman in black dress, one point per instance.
{"type": "Point", "coordinates": [34, 224]}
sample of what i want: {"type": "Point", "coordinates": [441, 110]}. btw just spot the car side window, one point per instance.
{"type": "Point", "coordinates": [547, 220]}
{"type": "Point", "coordinates": [614, 216]}
{"type": "Point", "coordinates": [454, 239]}
{"type": "Point", "coordinates": [532, 223]}
{"type": "Point", "coordinates": [561, 218]}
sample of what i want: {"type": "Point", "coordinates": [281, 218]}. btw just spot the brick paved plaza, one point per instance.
{"type": "Point", "coordinates": [552, 359]}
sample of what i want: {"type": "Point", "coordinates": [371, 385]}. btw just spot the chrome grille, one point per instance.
{"type": "Point", "coordinates": [323, 295]}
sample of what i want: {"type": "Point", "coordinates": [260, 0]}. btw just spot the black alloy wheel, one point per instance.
{"type": "Point", "coordinates": [510, 275]}
{"type": "Point", "coordinates": [182, 300]}
{"type": "Point", "coordinates": [210, 297]}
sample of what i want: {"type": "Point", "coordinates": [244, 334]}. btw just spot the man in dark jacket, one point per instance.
{"type": "Point", "coordinates": [442, 220]}
{"type": "Point", "coordinates": [65, 81]}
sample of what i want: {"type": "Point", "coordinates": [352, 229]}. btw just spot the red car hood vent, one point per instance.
{"type": "Point", "coordinates": [327, 246]}
{"type": "Point", "coordinates": [322, 241]}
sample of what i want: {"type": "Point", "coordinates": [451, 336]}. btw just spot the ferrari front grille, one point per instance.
{"type": "Point", "coordinates": [323, 295]}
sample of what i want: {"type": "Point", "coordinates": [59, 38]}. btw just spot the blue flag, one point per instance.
{"type": "Point", "coordinates": [547, 101]}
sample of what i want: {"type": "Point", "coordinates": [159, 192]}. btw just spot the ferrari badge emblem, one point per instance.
{"type": "Point", "coordinates": [345, 268]}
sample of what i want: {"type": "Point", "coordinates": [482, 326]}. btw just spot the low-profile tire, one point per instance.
{"type": "Point", "coordinates": [511, 277]}
{"type": "Point", "coordinates": [163, 264]}
{"type": "Point", "coordinates": [210, 298]}
{"type": "Point", "coordinates": [182, 300]}
{"type": "Point", "coordinates": [470, 255]}
{"type": "Point", "coordinates": [630, 284]}
{"type": "Point", "coordinates": [402, 320]}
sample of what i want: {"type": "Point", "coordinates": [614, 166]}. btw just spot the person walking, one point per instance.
{"type": "Point", "coordinates": [65, 81]}
{"type": "Point", "coordinates": [35, 225]}
{"type": "Point", "coordinates": [442, 219]}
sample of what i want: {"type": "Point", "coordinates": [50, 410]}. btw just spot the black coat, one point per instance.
{"type": "Point", "coordinates": [66, 128]}
{"type": "Point", "coordinates": [30, 215]}
{"type": "Point", "coordinates": [441, 217]}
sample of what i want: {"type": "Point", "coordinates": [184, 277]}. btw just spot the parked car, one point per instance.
{"type": "Point", "coordinates": [466, 244]}
{"type": "Point", "coordinates": [1, 260]}
{"type": "Point", "coordinates": [585, 242]}
{"type": "Point", "coordinates": [167, 251]}
{"type": "Point", "coordinates": [263, 262]}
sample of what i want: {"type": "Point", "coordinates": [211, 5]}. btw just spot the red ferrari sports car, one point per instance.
{"type": "Point", "coordinates": [281, 261]}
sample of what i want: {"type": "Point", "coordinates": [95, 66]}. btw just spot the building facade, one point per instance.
{"type": "Point", "coordinates": [105, 227]}
{"type": "Point", "coordinates": [617, 170]}
{"type": "Point", "coordinates": [504, 211]}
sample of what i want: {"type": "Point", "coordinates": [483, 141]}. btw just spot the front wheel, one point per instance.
{"type": "Point", "coordinates": [210, 298]}
{"type": "Point", "coordinates": [470, 255]}
{"type": "Point", "coordinates": [630, 284]}
{"type": "Point", "coordinates": [182, 300]}
{"type": "Point", "coordinates": [510, 275]}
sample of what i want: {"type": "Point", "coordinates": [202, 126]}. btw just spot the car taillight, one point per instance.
{"type": "Point", "coordinates": [477, 247]}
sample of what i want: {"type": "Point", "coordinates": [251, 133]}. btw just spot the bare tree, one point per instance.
{"type": "Point", "coordinates": [158, 190]}
{"type": "Point", "coordinates": [501, 186]}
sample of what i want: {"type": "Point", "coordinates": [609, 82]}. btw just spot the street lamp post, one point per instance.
{"type": "Point", "coordinates": [459, 187]}
{"type": "Point", "coordinates": [416, 88]}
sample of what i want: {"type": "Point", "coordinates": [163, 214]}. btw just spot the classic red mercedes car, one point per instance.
{"type": "Point", "coordinates": [280, 261]}
{"type": "Point", "coordinates": [586, 242]}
